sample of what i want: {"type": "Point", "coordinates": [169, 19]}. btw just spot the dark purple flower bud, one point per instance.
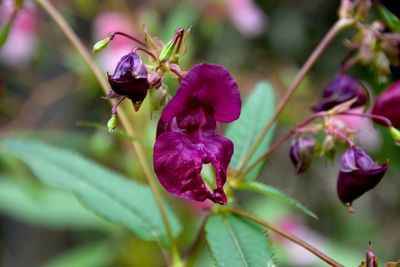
{"type": "Point", "coordinates": [130, 79]}
{"type": "Point", "coordinates": [302, 152]}
{"type": "Point", "coordinates": [186, 136]}
{"type": "Point", "coordinates": [371, 259]}
{"type": "Point", "coordinates": [387, 104]}
{"type": "Point", "coordinates": [358, 174]}
{"type": "Point", "coordinates": [341, 89]}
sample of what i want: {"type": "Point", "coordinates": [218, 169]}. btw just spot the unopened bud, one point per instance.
{"type": "Point", "coordinates": [100, 45]}
{"type": "Point", "coordinates": [358, 174]}
{"type": "Point", "coordinates": [169, 49]}
{"type": "Point", "coordinates": [395, 133]}
{"type": "Point", "coordinates": [111, 124]}
{"type": "Point", "coordinates": [302, 152]}
{"type": "Point", "coordinates": [371, 259]}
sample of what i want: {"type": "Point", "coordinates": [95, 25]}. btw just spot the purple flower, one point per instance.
{"type": "Point", "coordinates": [130, 79]}
{"type": "Point", "coordinates": [341, 89]}
{"type": "Point", "coordinates": [302, 152]}
{"type": "Point", "coordinates": [358, 174]}
{"type": "Point", "coordinates": [387, 104]}
{"type": "Point", "coordinates": [186, 136]}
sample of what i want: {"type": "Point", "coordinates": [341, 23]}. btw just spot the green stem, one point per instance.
{"type": "Point", "coordinates": [335, 29]}
{"type": "Point", "coordinates": [123, 116]}
{"type": "Point", "coordinates": [286, 235]}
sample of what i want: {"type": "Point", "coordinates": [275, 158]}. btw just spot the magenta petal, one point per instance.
{"type": "Point", "coordinates": [387, 104]}
{"type": "Point", "coordinates": [358, 174]}
{"type": "Point", "coordinates": [178, 160]}
{"type": "Point", "coordinates": [207, 84]}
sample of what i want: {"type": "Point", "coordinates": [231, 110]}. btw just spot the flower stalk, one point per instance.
{"type": "Point", "coordinates": [123, 116]}
{"type": "Point", "coordinates": [340, 25]}
{"type": "Point", "coordinates": [286, 235]}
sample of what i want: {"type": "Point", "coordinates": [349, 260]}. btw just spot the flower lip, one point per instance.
{"type": "Point", "coordinates": [130, 78]}
{"type": "Point", "coordinates": [358, 174]}
{"type": "Point", "coordinates": [341, 89]}
{"type": "Point", "coordinates": [186, 138]}
{"type": "Point", "coordinates": [387, 104]}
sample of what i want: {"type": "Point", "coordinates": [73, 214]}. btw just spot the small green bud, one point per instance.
{"type": "Point", "coordinates": [395, 134]}
{"type": "Point", "coordinates": [111, 124]}
{"type": "Point", "coordinates": [169, 49]}
{"type": "Point", "coordinates": [100, 45]}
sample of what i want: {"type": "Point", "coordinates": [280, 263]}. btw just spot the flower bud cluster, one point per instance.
{"type": "Point", "coordinates": [358, 173]}
{"type": "Point", "coordinates": [133, 78]}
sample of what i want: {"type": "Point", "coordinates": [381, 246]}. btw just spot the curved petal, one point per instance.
{"type": "Point", "coordinates": [206, 84]}
{"type": "Point", "coordinates": [341, 89]}
{"type": "Point", "coordinates": [178, 160]}
{"type": "Point", "coordinates": [387, 104]}
{"type": "Point", "coordinates": [351, 185]}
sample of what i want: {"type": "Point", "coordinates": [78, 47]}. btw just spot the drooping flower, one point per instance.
{"type": "Point", "coordinates": [302, 152]}
{"type": "Point", "coordinates": [358, 174]}
{"type": "Point", "coordinates": [130, 79]}
{"type": "Point", "coordinates": [186, 138]}
{"type": "Point", "coordinates": [341, 89]}
{"type": "Point", "coordinates": [387, 104]}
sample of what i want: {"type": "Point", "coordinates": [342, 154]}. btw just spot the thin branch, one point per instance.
{"type": "Point", "coordinates": [335, 29]}
{"type": "Point", "coordinates": [286, 235]}
{"type": "Point", "coordinates": [281, 141]}
{"type": "Point", "coordinates": [123, 116]}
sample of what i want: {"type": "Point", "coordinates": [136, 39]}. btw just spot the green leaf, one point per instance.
{"type": "Point", "coordinates": [89, 255]}
{"type": "Point", "coordinates": [273, 192]}
{"type": "Point", "coordinates": [110, 195]}
{"type": "Point", "coordinates": [390, 19]}
{"type": "Point", "coordinates": [255, 113]}
{"type": "Point", "coordinates": [45, 206]}
{"type": "Point", "coordinates": [237, 242]}
{"type": "Point", "coordinates": [5, 29]}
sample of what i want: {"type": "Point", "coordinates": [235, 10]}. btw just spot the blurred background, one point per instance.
{"type": "Point", "coordinates": [45, 89]}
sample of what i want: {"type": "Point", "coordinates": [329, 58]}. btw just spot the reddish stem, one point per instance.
{"type": "Point", "coordinates": [382, 119]}
{"type": "Point", "coordinates": [112, 35]}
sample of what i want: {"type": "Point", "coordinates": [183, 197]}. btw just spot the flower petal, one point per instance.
{"type": "Point", "coordinates": [351, 185]}
{"type": "Point", "coordinates": [387, 104]}
{"type": "Point", "coordinates": [341, 89]}
{"type": "Point", "coordinates": [178, 160]}
{"type": "Point", "coordinates": [207, 84]}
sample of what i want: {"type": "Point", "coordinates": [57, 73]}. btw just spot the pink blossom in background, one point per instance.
{"type": "Point", "coordinates": [368, 136]}
{"type": "Point", "coordinates": [21, 43]}
{"type": "Point", "coordinates": [106, 23]}
{"type": "Point", "coordinates": [247, 17]}
{"type": "Point", "coordinates": [296, 255]}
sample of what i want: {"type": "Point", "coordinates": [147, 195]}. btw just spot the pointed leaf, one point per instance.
{"type": "Point", "coordinates": [255, 113]}
{"type": "Point", "coordinates": [108, 194]}
{"type": "Point", "coordinates": [390, 19]}
{"type": "Point", "coordinates": [273, 192]}
{"type": "Point", "coordinates": [237, 242]}
{"type": "Point", "coordinates": [45, 206]}
{"type": "Point", "coordinates": [5, 29]}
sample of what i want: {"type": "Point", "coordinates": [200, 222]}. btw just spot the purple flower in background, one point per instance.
{"type": "Point", "coordinates": [358, 174]}
{"type": "Point", "coordinates": [186, 136]}
{"type": "Point", "coordinates": [387, 104]}
{"type": "Point", "coordinates": [341, 89]}
{"type": "Point", "coordinates": [302, 152]}
{"type": "Point", "coordinates": [130, 79]}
